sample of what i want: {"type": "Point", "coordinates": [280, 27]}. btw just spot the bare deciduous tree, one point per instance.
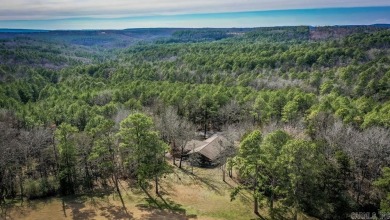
{"type": "Point", "coordinates": [176, 131]}
{"type": "Point", "coordinates": [369, 150]}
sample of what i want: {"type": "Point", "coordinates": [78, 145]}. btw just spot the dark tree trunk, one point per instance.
{"type": "Point", "coordinates": [87, 173]}
{"type": "Point", "coordinates": [256, 206]}
{"type": "Point", "coordinates": [173, 153]}
{"type": "Point", "coordinates": [359, 187]}
{"type": "Point", "coordinates": [256, 202]}
{"type": "Point", "coordinates": [181, 156]}
{"type": "Point", "coordinates": [271, 205]}
{"type": "Point", "coordinates": [223, 172]}
{"type": "Point", "coordinates": [116, 182]}
{"type": "Point", "coordinates": [21, 187]}
{"type": "Point", "coordinates": [205, 123]}
{"type": "Point", "coordinates": [156, 182]}
{"type": "Point", "coordinates": [55, 155]}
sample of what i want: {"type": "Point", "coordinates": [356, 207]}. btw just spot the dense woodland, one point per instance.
{"type": "Point", "coordinates": [307, 107]}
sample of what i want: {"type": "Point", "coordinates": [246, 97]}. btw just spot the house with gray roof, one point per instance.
{"type": "Point", "coordinates": [208, 150]}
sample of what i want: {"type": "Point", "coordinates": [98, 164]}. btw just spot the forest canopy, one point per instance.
{"type": "Point", "coordinates": [313, 104]}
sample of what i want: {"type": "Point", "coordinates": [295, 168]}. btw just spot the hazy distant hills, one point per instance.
{"type": "Point", "coordinates": [160, 30]}
{"type": "Point", "coordinates": [128, 37]}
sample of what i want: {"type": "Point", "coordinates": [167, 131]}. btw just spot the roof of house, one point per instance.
{"type": "Point", "coordinates": [210, 148]}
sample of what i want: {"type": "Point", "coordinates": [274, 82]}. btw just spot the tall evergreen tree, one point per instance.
{"type": "Point", "coordinates": [145, 149]}
{"type": "Point", "coordinates": [67, 158]}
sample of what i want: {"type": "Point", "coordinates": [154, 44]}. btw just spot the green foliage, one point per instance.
{"type": "Point", "coordinates": [39, 188]}
{"type": "Point", "coordinates": [290, 174]}
{"type": "Point", "coordinates": [378, 116]}
{"type": "Point", "coordinates": [290, 111]}
{"type": "Point", "coordinates": [383, 183]}
{"type": "Point", "coordinates": [272, 172]}
{"type": "Point", "coordinates": [145, 149]}
{"type": "Point", "coordinates": [250, 150]}
{"type": "Point", "coordinates": [248, 163]}
{"type": "Point", "coordinates": [84, 84]}
{"type": "Point", "coordinates": [67, 158]}
{"type": "Point", "coordinates": [302, 164]}
{"type": "Point", "coordinates": [102, 156]}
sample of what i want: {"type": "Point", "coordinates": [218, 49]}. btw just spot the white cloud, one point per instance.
{"type": "Point", "coordinates": [53, 9]}
{"type": "Point", "coordinates": [382, 21]}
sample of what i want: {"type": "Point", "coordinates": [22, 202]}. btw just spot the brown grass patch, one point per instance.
{"type": "Point", "coordinates": [202, 195]}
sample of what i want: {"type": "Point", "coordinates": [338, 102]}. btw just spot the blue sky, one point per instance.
{"type": "Point", "coordinates": [120, 14]}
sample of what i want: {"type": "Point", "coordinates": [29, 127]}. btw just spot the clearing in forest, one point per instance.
{"type": "Point", "coordinates": [183, 195]}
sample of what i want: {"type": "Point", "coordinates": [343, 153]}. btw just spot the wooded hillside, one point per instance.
{"type": "Point", "coordinates": [309, 106]}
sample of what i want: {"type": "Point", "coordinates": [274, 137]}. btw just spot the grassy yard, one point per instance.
{"type": "Point", "coordinates": [183, 195]}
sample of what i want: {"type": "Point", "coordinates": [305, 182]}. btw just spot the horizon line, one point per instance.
{"type": "Point", "coordinates": [186, 14]}
{"type": "Point", "coordinates": [124, 29]}
{"type": "Point", "coordinates": [329, 16]}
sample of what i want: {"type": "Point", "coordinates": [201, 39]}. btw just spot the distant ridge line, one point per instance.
{"type": "Point", "coordinates": [10, 30]}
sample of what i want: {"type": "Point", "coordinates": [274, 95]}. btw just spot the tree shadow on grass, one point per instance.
{"type": "Point", "coordinates": [115, 212]}
{"type": "Point", "coordinates": [209, 182]}
{"type": "Point", "coordinates": [156, 214]}
{"type": "Point", "coordinates": [160, 208]}
{"type": "Point", "coordinates": [166, 188]}
{"type": "Point", "coordinates": [243, 198]}
{"type": "Point", "coordinates": [5, 209]}
{"type": "Point", "coordinates": [22, 208]}
{"type": "Point", "coordinates": [77, 205]}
